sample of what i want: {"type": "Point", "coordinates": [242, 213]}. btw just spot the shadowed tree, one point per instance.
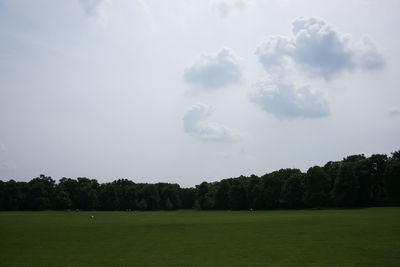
{"type": "Point", "coordinates": [332, 169]}
{"type": "Point", "coordinates": [87, 196]}
{"type": "Point", "coordinates": [293, 191]}
{"type": "Point", "coordinates": [354, 181]}
{"type": "Point", "coordinates": [150, 194]}
{"type": "Point", "coordinates": [169, 196]}
{"type": "Point", "coordinates": [203, 197]}
{"type": "Point", "coordinates": [316, 185]}
{"type": "Point", "coordinates": [392, 179]}
{"type": "Point", "coordinates": [222, 195]}
{"type": "Point", "coordinates": [11, 195]}
{"type": "Point", "coordinates": [237, 195]}
{"type": "Point", "coordinates": [40, 194]}
{"type": "Point", "coordinates": [272, 185]}
{"type": "Point", "coordinates": [62, 200]}
{"type": "Point", "coordinates": [130, 197]}
{"type": "Point", "coordinates": [71, 187]}
{"type": "Point", "coordinates": [345, 193]}
{"type": "Point", "coordinates": [108, 197]}
{"type": "Point", "coordinates": [188, 196]}
{"type": "Point", "coordinates": [142, 204]}
{"type": "Point", "coordinates": [1, 195]}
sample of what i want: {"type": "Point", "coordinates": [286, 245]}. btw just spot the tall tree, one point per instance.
{"type": "Point", "coordinates": [188, 196]}
{"type": "Point", "coordinates": [11, 195]}
{"type": "Point", "coordinates": [150, 194]}
{"type": "Point", "coordinates": [392, 179]}
{"type": "Point", "coordinates": [40, 195]}
{"type": "Point", "coordinates": [347, 186]}
{"type": "Point", "coordinates": [222, 195]}
{"type": "Point", "coordinates": [293, 191]}
{"type": "Point", "coordinates": [316, 185]}
{"type": "Point", "coordinates": [87, 196]}
{"type": "Point", "coordinates": [109, 199]}
{"type": "Point", "coordinates": [203, 197]}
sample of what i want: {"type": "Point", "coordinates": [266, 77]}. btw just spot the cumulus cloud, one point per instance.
{"type": "Point", "coordinates": [369, 57]}
{"type": "Point", "coordinates": [274, 52]}
{"type": "Point", "coordinates": [224, 7]}
{"type": "Point", "coordinates": [285, 101]}
{"type": "Point", "coordinates": [211, 71]}
{"type": "Point", "coordinates": [320, 50]}
{"type": "Point", "coordinates": [196, 124]}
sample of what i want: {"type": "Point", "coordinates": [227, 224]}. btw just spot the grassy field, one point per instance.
{"type": "Point", "coordinates": [354, 237]}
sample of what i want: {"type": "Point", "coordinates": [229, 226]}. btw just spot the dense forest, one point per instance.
{"type": "Point", "coordinates": [356, 181]}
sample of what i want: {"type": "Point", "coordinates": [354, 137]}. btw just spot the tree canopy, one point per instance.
{"type": "Point", "coordinates": [355, 181]}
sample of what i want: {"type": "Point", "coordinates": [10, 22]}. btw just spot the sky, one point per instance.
{"type": "Point", "coordinates": [185, 91]}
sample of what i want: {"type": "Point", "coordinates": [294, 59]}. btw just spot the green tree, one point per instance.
{"type": "Point", "coordinates": [108, 197]}
{"type": "Point", "coordinates": [11, 196]}
{"type": "Point", "coordinates": [169, 193]}
{"type": "Point", "coordinates": [188, 196]}
{"type": "Point", "coordinates": [62, 200]}
{"type": "Point", "coordinates": [87, 193]}
{"type": "Point", "coordinates": [293, 191]}
{"type": "Point", "coordinates": [392, 179]}
{"type": "Point", "coordinates": [70, 186]}
{"type": "Point", "coordinates": [237, 195]}
{"type": "Point", "coordinates": [1, 195]}
{"type": "Point", "coordinates": [316, 186]}
{"type": "Point", "coordinates": [375, 168]}
{"type": "Point", "coordinates": [222, 195]}
{"type": "Point", "coordinates": [168, 204]}
{"type": "Point", "coordinates": [150, 194]}
{"type": "Point", "coordinates": [41, 191]}
{"type": "Point", "coordinates": [203, 197]}
{"type": "Point", "coordinates": [130, 197]}
{"type": "Point", "coordinates": [332, 169]}
{"type": "Point", "coordinates": [142, 204]}
{"type": "Point", "coordinates": [271, 185]}
{"type": "Point", "coordinates": [346, 189]}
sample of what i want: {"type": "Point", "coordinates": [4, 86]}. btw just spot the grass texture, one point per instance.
{"type": "Point", "coordinates": [348, 237]}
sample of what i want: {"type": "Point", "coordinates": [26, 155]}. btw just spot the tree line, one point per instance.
{"type": "Point", "coordinates": [355, 181]}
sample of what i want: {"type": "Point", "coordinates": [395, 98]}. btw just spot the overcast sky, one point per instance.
{"type": "Point", "coordinates": [187, 91]}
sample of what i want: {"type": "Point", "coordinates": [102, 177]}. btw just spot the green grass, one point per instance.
{"type": "Point", "coordinates": [353, 237]}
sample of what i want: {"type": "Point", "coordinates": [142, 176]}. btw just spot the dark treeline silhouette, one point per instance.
{"type": "Point", "coordinates": [356, 181]}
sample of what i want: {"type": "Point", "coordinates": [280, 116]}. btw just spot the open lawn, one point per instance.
{"type": "Point", "coordinates": [350, 237]}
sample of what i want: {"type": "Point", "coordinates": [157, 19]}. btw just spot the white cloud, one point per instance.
{"type": "Point", "coordinates": [224, 7]}
{"type": "Point", "coordinates": [273, 52]}
{"type": "Point", "coordinates": [369, 57]}
{"type": "Point", "coordinates": [211, 71]}
{"type": "Point", "coordinates": [319, 50]}
{"type": "Point", "coordinates": [285, 101]}
{"type": "Point", "coordinates": [196, 124]}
